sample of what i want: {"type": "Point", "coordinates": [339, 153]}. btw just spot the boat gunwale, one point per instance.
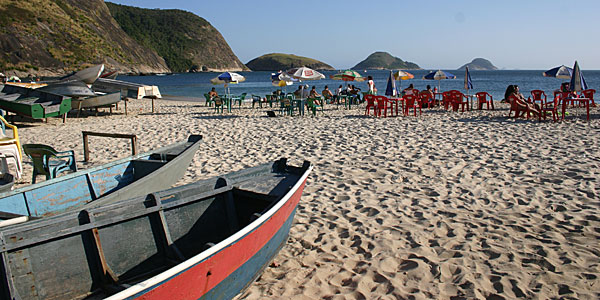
{"type": "Point", "coordinates": [94, 169]}
{"type": "Point", "coordinates": [156, 280]}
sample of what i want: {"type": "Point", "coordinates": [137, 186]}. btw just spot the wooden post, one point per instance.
{"type": "Point", "coordinates": [86, 150]}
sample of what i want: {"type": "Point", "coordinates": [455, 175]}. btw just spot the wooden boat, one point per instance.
{"type": "Point", "coordinates": [70, 88]}
{"type": "Point", "coordinates": [115, 181]}
{"type": "Point", "coordinates": [33, 103]}
{"type": "Point", "coordinates": [106, 100]}
{"type": "Point", "coordinates": [88, 75]}
{"type": "Point", "coordinates": [208, 239]}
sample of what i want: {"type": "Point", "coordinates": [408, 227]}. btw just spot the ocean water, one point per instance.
{"type": "Point", "coordinates": [259, 83]}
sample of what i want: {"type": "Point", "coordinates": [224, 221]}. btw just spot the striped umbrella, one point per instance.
{"type": "Point", "coordinates": [577, 83]}
{"type": "Point", "coordinates": [348, 75]}
{"type": "Point", "coordinates": [562, 72]}
{"type": "Point", "coordinates": [401, 75]}
{"type": "Point", "coordinates": [468, 81]}
{"type": "Point", "coordinates": [439, 75]}
{"type": "Point", "coordinates": [228, 77]}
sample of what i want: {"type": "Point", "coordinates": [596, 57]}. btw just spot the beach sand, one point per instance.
{"type": "Point", "coordinates": [443, 206]}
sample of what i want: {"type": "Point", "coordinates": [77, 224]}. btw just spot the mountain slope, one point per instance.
{"type": "Point", "coordinates": [383, 60]}
{"type": "Point", "coordinates": [184, 40]}
{"type": "Point", "coordinates": [55, 37]}
{"type": "Point", "coordinates": [280, 61]}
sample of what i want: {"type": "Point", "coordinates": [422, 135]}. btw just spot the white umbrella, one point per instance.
{"type": "Point", "coordinates": [304, 73]}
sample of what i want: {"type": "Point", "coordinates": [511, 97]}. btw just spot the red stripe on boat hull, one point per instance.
{"type": "Point", "coordinates": [194, 282]}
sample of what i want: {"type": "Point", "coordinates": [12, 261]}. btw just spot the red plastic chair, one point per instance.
{"type": "Point", "coordinates": [516, 108]}
{"type": "Point", "coordinates": [412, 101]}
{"type": "Point", "coordinates": [589, 93]}
{"type": "Point", "coordinates": [426, 99]}
{"type": "Point", "coordinates": [484, 97]}
{"type": "Point", "coordinates": [370, 99]}
{"type": "Point", "coordinates": [459, 99]}
{"type": "Point", "coordinates": [551, 106]}
{"type": "Point", "coordinates": [538, 97]}
{"type": "Point", "coordinates": [447, 99]}
{"type": "Point", "coordinates": [382, 105]}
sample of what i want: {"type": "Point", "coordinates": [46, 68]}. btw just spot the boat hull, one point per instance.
{"type": "Point", "coordinates": [96, 101]}
{"type": "Point", "coordinates": [232, 269]}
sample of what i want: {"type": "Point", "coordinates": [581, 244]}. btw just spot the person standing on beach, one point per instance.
{"type": "Point", "coordinates": [372, 90]}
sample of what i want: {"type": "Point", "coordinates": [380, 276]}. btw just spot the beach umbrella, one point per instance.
{"type": "Point", "coordinates": [226, 78]}
{"type": "Point", "coordinates": [439, 75]}
{"type": "Point", "coordinates": [562, 72]}
{"type": "Point", "coordinates": [577, 83]}
{"type": "Point", "coordinates": [390, 90]}
{"type": "Point", "coordinates": [348, 75]}
{"type": "Point", "coordinates": [468, 82]}
{"type": "Point", "coordinates": [401, 75]}
{"type": "Point", "coordinates": [304, 73]}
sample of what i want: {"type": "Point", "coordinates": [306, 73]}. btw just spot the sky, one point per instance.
{"type": "Point", "coordinates": [525, 34]}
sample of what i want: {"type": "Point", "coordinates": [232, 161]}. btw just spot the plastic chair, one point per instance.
{"type": "Point", "coordinates": [312, 106]}
{"type": "Point", "coordinates": [447, 99]}
{"type": "Point", "coordinates": [370, 104]}
{"type": "Point", "coordinates": [516, 108]}
{"type": "Point", "coordinates": [10, 147]}
{"type": "Point", "coordinates": [412, 101]}
{"type": "Point", "coordinates": [382, 104]}
{"type": "Point", "coordinates": [538, 96]}
{"type": "Point", "coordinates": [484, 97]}
{"type": "Point", "coordinates": [218, 104]}
{"type": "Point", "coordinates": [209, 100]}
{"type": "Point", "coordinates": [550, 106]}
{"type": "Point", "coordinates": [459, 99]}
{"type": "Point", "coordinates": [49, 162]}
{"type": "Point", "coordinates": [589, 93]}
{"type": "Point", "coordinates": [426, 99]}
{"type": "Point", "coordinates": [286, 106]}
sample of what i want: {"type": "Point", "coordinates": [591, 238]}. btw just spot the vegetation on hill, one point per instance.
{"type": "Point", "coordinates": [54, 37]}
{"type": "Point", "coordinates": [280, 61]}
{"type": "Point", "coordinates": [479, 64]}
{"type": "Point", "coordinates": [383, 60]}
{"type": "Point", "coordinates": [184, 40]}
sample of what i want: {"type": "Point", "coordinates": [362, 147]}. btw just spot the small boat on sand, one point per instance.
{"type": "Point", "coordinates": [205, 240]}
{"type": "Point", "coordinates": [108, 183]}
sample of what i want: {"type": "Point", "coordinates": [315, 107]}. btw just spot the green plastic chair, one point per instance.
{"type": "Point", "coordinates": [310, 104]}
{"type": "Point", "coordinates": [218, 104]}
{"type": "Point", "coordinates": [209, 101]}
{"type": "Point", "coordinates": [49, 162]}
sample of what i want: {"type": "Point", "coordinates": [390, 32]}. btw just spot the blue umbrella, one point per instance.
{"type": "Point", "coordinates": [468, 82]}
{"type": "Point", "coordinates": [390, 90]}
{"type": "Point", "coordinates": [577, 83]}
{"type": "Point", "coordinates": [562, 72]}
{"type": "Point", "coordinates": [439, 75]}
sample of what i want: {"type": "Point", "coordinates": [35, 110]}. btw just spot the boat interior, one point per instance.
{"type": "Point", "coordinates": [103, 250]}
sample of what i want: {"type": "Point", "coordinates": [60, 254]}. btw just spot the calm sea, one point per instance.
{"type": "Point", "coordinates": [259, 83]}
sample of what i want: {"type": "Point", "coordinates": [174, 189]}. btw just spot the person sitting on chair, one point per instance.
{"type": "Point", "coordinates": [327, 94]}
{"type": "Point", "coordinates": [409, 90]}
{"type": "Point", "coordinates": [213, 94]}
{"type": "Point", "coordinates": [313, 94]}
{"type": "Point", "coordinates": [522, 102]}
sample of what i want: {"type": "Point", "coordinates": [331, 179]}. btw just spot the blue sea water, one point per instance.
{"type": "Point", "coordinates": [259, 83]}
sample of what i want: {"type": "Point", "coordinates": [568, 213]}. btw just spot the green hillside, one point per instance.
{"type": "Point", "coordinates": [280, 61]}
{"type": "Point", "coordinates": [383, 60]}
{"type": "Point", "coordinates": [184, 40]}
{"type": "Point", "coordinates": [64, 35]}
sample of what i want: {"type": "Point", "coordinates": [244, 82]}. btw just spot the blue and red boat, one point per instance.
{"type": "Point", "coordinates": [205, 240]}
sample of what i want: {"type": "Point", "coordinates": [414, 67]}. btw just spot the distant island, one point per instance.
{"type": "Point", "coordinates": [280, 61]}
{"type": "Point", "coordinates": [479, 64]}
{"type": "Point", "coordinates": [385, 61]}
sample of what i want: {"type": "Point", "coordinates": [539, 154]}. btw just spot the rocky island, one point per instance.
{"type": "Point", "coordinates": [385, 61]}
{"type": "Point", "coordinates": [480, 64]}
{"type": "Point", "coordinates": [280, 61]}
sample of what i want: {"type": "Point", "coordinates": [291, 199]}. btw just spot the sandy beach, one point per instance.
{"type": "Point", "coordinates": [443, 206]}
